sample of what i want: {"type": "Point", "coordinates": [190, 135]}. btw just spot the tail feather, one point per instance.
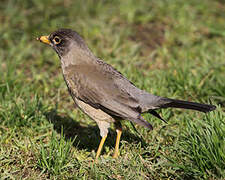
{"type": "Point", "coordinates": [154, 113]}
{"type": "Point", "coordinates": [157, 102]}
{"type": "Point", "coordinates": [188, 105]}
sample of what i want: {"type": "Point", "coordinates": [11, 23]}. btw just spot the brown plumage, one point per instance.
{"type": "Point", "coordinates": [102, 92]}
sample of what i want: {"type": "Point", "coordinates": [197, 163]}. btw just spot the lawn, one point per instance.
{"type": "Point", "coordinates": [170, 48]}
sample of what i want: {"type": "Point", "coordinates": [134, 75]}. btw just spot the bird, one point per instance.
{"type": "Point", "coordinates": [102, 92]}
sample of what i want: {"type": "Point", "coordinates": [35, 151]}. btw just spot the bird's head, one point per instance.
{"type": "Point", "coordinates": [63, 41]}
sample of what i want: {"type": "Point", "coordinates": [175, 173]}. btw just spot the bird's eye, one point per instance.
{"type": "Point", "coordinates": [56, 40]}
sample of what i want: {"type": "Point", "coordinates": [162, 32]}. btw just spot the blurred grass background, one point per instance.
{"type": "Point", "coordinates": [169, 48]}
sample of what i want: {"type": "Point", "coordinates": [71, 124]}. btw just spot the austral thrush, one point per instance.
{"type": "Point", "coordinates": [102, 92]}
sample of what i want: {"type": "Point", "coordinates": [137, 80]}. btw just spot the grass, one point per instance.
{"type": "Point", "coordinates": [169, 48]}
{"type": "Point", "coordinates": [54, 157]}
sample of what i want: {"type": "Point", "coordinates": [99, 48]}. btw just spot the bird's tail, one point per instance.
{"type": "Point", "coordinates": [162, 102]}
{"type": "Point", "coordinates": [174, 103]}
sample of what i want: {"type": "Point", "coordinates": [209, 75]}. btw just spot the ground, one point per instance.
{"type": "Point", "coordinates": [170, 48]}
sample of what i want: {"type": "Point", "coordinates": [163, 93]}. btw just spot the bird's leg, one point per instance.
{"type": "Point", "coordinates": [119, 132]}
{"type": "Point", "coordinates": [100, 147]}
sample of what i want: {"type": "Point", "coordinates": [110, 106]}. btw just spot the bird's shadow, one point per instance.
{"type": "Point", "coordinates": [86, 137]}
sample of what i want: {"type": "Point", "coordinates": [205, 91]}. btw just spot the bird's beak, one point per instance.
{"type": "Point", "coordinates": [44, 39]}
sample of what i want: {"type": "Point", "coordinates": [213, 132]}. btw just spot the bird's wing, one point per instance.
{"type": "Point", "coordinates": [96, 86]}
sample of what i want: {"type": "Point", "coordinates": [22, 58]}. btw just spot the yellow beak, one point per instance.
{"type": "Point", "coordinates": [44, 39]}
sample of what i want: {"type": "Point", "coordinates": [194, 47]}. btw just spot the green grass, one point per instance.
{"type": "Point", "coordinates": [170, 48]}
{"type": "Point", "coordinates": [55, 158]}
